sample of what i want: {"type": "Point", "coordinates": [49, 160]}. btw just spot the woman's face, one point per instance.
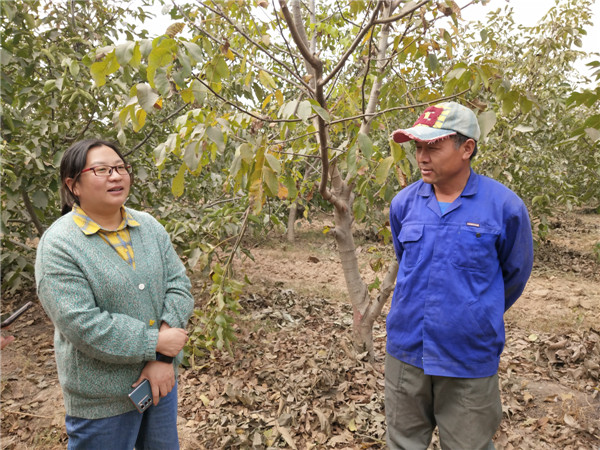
{"type": "Point", "coordinates": [101, 194]}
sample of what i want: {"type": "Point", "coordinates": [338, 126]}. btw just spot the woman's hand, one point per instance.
{"type": "Point", "coordinates": [171, 340]}
{"type": "Point", "coordinates": [161, 377]}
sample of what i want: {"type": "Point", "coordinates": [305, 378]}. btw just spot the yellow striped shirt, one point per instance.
{"type": "Point", "coordinates": [118, 239]}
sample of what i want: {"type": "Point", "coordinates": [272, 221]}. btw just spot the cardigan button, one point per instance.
{"type": "Point", "coordinates": [142, 286]}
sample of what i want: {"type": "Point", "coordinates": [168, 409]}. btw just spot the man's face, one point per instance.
{"type": "Point", "coordinates": [441, 163]}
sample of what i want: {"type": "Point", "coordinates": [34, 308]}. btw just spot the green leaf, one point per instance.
{"type": "Point", "coordinates": [40, 199]}
{"type": "Point", "coordinates": [397, 151]}
{"type": "Point", "coordinates": [321, 112]}
{"type": "Point", "coordinates": [124, 53]}
{"type": "Point", "coordinates": [146, 97]}
{"type": "Point", "coordinates": [177, 186]}
{"type": "Point", "coordinates": [351, 160]}
{"type": "Point", "coordinates": [593, 134]}
{"type": "Point", "coordinates": [222, 68]}
{"type": "Point", "coordinates": [486, 120]}
{"type": "Point", "coordinates": [74, 68]}
{"type": "Point", "coordinates": [288, 109]}
{"type": "Point", "coordinates": [98, 71]}
{"type": "Point", "coordinates": [266, 80]}
{"type": "Point", "coordinates": [304, 110]}
{"type": "Point", "coordinates": [270, 179]}
{"type": "Point", "coordinates": [365, 145]}
{"type": "Point", "coordinates": [273, 163]}
{"type": "Point", "coordinates": [432, 62]}
{"type": "Point", "coordinates": [359, 208]}
{"type": "Point", "coordinates": [162, 82]}
{"type": "Point", "coordinates": [190, 155]}
{"type": "Point", "coordinates": [49, 86]}
{"type": "Point", "coordinates": [216, 135]}
{"type": "Point", "coordinates": [524, 128]}
{"type": "Point", "coordinates": [383, 169]}
{"type": "Point", "coordinates": [194, 50]}
{"type": "Point", "coordinates": [290, 184]}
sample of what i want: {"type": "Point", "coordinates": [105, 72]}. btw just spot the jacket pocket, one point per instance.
{"type": "Point", "coordinates": [411, 239]}
{"type": "Point", "coordinates": [475, 249]}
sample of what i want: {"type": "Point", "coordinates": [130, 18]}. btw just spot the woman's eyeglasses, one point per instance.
{"type": "Point", "coordinates": [106, 171]}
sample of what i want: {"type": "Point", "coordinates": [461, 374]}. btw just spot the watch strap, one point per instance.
{"type": "Point", "coordinates": [164, 358]}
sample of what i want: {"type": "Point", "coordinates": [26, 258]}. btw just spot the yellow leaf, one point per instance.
{"type": "Point", "coordinates": [177, 185]}
{"type": "Point", "coordinates": [279, 97]}
{"type": "Point", "coordinates": [187, 95]}
{"type": "Point", "coordinates": [266, 101]}
{"type": "Point", "coordinates": [174, 29]}
{"type": "Point", "coordinates": [283, 192]}
{"type": "Point", "coordinates": [352, 425]}
{"type": "Point", "coordinates": [255, 195]}
{"type": "Point", "coordinates": [204, 399]}
{"type": "Point", "coordinates": [138, 120]}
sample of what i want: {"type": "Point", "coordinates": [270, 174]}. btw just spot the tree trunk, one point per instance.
{"type": "Point", "coordinates": [340, 195]}
{"type": "Point", "coordinates": [291, 233]}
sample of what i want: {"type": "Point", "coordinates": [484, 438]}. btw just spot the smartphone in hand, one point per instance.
{"type": "Point", "coordinates": [10, 318]}
{"type": "Point", "coordinates": [141, 396]}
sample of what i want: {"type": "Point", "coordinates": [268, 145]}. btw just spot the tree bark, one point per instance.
{"type": "Point", "coordinates": [31, 211]}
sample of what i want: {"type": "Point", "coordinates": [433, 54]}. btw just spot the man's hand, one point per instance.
{"type": "Point", "coordinates": [161, 377]}
{"type": "Point", "coordinates": [170, 340]}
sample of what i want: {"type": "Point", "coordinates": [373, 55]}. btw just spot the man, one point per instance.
{"type": "Point", "coordinates": [465, 251]}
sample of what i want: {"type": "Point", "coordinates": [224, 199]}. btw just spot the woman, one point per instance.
{"type": "Point", "coordinates": [119, 299]}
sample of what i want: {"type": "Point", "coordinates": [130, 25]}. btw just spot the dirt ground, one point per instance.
{"type": "Point", "coordinates": [294, 381]}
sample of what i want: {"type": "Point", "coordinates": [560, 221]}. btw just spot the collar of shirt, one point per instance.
{"type": "Point", "coordinates": [88, 226]}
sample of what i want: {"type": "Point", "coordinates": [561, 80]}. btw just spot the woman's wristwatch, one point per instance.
{"type": "Point", "coordinates": [163, 358]}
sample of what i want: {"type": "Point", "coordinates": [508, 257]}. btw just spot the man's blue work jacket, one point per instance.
{"type": "Point", "coordinates": [459, 272]}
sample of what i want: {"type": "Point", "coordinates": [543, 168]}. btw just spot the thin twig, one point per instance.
{"type": "Point", "coordinates": [256, 44]}
{"type": "Point", "coordinates": [26, 414]}
{"type": "Point", "coordinates": [402, 14]}
{"type": "Point", "coordinates": [354, 44]}
{"type": "Point", "coordinates": [245, 111]}
{"type": "Point", "coordinates": [234, 51]}
{"type": "Point", "coordinates": [218, 202]}
{"type": "Point", "coordinates": [398, 108]}
{"type": "Point", "coordinates": [236, 245]}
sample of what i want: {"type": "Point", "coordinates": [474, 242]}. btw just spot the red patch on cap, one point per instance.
{"type": "Point", "coordinates": [429, 116]}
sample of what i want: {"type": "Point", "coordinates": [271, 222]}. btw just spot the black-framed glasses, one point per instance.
{"type": "Point", "coordinates": [106, 171]}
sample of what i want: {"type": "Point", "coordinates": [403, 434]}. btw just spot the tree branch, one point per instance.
{"type": "Point", "coordinates": [403, 13]}
{"type": "Point", "coordinates": [239, 108]}
{"type": "Point", "coordinates": [31, 211]}
{"type": "Point", "coordinates": [257, 45]}
{"type": "Point", "coordinates": [311, 58]}
{"type": "Point", "coordinates": [398, 108]}
{"type": "Point", "coordinates": [354, 44]}
{"type": "Point", "coordinates": [234, 51]}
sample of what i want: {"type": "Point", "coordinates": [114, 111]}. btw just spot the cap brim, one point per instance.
{"type": "Point", "coordinates": [421, 133]}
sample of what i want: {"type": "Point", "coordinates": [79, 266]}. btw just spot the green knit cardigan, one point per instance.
{"type": "Point", "coordinates": [105, 313]}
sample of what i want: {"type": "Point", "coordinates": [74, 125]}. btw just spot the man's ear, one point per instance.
{"type": "Point", "coordinates": [72, 185]}
{"type": "Point", "coordinates": [468, 147]}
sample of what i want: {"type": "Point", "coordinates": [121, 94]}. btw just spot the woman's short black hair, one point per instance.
{"type": "Point", "coordinates": [73, 162]}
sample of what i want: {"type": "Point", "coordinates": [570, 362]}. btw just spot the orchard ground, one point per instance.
{"type": "Point", "coordinates": [294, 381]}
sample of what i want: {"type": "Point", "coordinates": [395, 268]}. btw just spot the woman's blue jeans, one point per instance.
{"type": "Point", "coordinates": [155, 429]}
